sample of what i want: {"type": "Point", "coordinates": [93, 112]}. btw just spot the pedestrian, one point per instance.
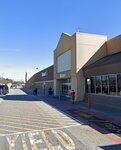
{"type": "Point", "coordinates": [50, 91]}
{"type": "Point", "coordinates": [72, 96]}
{"type": "Point", "coordinates": [35, 91]}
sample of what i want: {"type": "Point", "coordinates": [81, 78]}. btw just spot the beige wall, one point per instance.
{"type": "Point", "coordinates": [66, 42]}
{"type": "Point", "coordinates": [102, 52]}
{"type": "Point", "coordinates": [86, 46]}
{"type": "Point", "coordinates": [109, 48]}
{"type": "Point", "coordinates": [83, 47]}
{"type": "Point", "coordinates": [80, 85]}
{"type": "Point", "coordinates": [114, 45]}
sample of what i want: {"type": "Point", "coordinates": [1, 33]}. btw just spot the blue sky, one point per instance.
{"type": "Point", "coordinates": [30, 29]}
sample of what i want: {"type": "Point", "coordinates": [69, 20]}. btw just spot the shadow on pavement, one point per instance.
{"type": "Point", "coordinates": [74, 111]}
{"type": "Point", "coordinates": [80, 115]}
{"type": "Point", "coordinates": [111, 147]}
{"type": "Point", "coordinates": [20, 98]}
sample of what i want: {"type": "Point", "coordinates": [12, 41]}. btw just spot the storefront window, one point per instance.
{"type": "Point", "coordinates": [119, 84]}
{"type": "Point", "coordinates": [98, 84]}
{"type": "Point", "coordinates": [92, 84]}
{"type": "Point", "coordinates": [112, 84]}
{"type": "Point", "coordinates": [104, 84]}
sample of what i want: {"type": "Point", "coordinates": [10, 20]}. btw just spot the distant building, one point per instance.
{"type": "Point", "coordinates": [42, 80]}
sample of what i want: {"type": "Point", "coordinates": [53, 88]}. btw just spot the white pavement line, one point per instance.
{"type": "Point", "coordinates": [21, 125]}
{"type": "Point", "coordinates": [36, 118]}
{"type": "Point", "coordinates": [65, 114]}
{"type": "Point", "coordinates": [1, 129]}
{"type": "Point", "coordinates": [36, 122]}
{"type": "Point", "coordinates": [65, 127]}
{"type": "Point", "coordinates": [14, 127]}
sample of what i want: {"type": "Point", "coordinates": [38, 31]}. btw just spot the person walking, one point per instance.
{"type": "Point", "coordinates": [35, 91]}
{"type": "Point", "coordinates": [73, 96]}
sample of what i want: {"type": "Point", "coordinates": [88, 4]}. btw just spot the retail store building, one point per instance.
{"type": "Point", "coordinates": [88, 63]}
{"type": "Point", "coordinates": [70, 56]}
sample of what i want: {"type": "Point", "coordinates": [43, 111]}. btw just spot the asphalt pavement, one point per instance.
{"type": "Point", "coordinates": [29, 122]}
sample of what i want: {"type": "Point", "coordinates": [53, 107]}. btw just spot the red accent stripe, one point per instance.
{"type": "Point", "coordinates": [101, 130]}
{"type": "Point", "coordinates": [114, 139]}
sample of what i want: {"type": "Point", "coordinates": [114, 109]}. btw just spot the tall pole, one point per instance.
{"type": "Point", "coordinates": [25, 77]}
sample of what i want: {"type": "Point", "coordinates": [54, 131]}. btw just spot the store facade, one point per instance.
{"type": "Point", "coordinates": [87, 63]}
{"type": "Point", "coordinates": [103, 77]}
{"type": "Point", "coordinates": [71, 54]}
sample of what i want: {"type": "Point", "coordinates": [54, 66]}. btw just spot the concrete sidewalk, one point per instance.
{"type": "Point", "coordinates": [65, 104]}
{"type": "Point", "coordinates": [102, 111]}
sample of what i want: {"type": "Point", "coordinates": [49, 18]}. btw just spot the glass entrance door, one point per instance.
{"type": "Point", "coordinates": [66, 87]}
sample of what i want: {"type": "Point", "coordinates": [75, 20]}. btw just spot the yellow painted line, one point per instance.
{"type": "Point", "coordinates": [65, 139]}
{"type": "Point", "coordinates": [7, 130]}
{"type": "Point", "coordinates": [33, 123]}
{"type": "Point", "coordinates": [15, 127]}
{"type": "Point", "coordinates": [25, 147]}
{"type": "Point", "coordinates": [20, 118]}
{"type": "Point", "coordinates": [49, 145]}
{"type": "Point", "coordinates": [2, 134]}
{"type": "Point", "coordinates": [34, 116]}
{"type": "Point", "coordinates": [12, 123]}
{"type": "Point", "coordinates": [37, 122]}
{"type": "Point", "coordinates": [46, 129]}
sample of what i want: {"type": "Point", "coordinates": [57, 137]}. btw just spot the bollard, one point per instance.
{"type": "Point", "coordinates": [89, 103]}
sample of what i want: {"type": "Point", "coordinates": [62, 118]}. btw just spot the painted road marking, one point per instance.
{"type": "Point", "coordinates": [12, 123]}
{"type": "Point", "coordinates": [41, 140]}
{"type": "Point", "coordinates": [28, 126]}
{"type": "Point", "coordinates": [49, 145]}
{"type": "Point", "coordinates": [22, 121]}
{"type": "Point", "coordinates": [36, 115]}
{"type": "Point", "coordinates": [38, 119]}
{"type": "Point", "coordinates": [9, 130]}
{"type": "Point", "coordinates": [14, 127]}
{"type": "Point", "coordinates": [65, 139]}
{"type": "Point", "coordinates": [47, 129]}
{"type": "Point", "coordinates": [11, 141]}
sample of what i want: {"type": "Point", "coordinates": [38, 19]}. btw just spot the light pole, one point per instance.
{"type": "Point", "coordinates": [25, 77]}
{"type": "Point", "coordinates": [26, 74]}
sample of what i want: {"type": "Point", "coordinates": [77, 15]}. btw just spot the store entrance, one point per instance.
{"type": "Point", "coordinates": [66, 87]}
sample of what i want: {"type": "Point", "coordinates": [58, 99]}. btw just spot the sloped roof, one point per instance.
{"type": "Point", "coordinates": [106, 60]}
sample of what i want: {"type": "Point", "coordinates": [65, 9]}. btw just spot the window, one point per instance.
{"type": "Point", "coordinates": [112, 84]}
{"type": "Point", "coordinates": [119, 84]}
{"type": "Point", "coordinates": [104, 84]}
{"type": "Point", "coordinates": [64, 62]}
{"type": "Point", "coordinates": [98, 84]}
